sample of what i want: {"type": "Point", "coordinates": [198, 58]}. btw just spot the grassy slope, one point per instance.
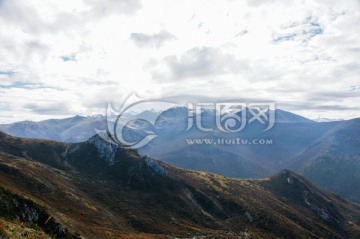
{"type": "Point", "coordinates": [131, 201]}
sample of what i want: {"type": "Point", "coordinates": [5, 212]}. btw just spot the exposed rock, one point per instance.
{"type": "Point", "coordinates": [190, 196]}
{"type": "Point", "coordinates": [322, 212]}
{"type": "Point", "coordinates": [290, 180]}
{"type": "Point", "coordinates": [156, 167]}
{"type": "Point", "coordinates": [106, 150]}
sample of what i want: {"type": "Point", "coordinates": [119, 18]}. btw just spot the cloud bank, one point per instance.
{"type": "Point", "coordinates": [61, 58]}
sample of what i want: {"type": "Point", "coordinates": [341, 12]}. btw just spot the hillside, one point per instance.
{"type": "Point", "coordinates": [97, 190]}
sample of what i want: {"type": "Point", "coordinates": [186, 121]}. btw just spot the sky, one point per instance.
{"type": "Point", "coordinates": [72, 57]}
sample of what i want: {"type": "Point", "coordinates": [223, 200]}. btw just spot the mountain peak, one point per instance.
{"type": "Point", "coordinates": [287, 177]}
{"type": "Point", "coordinates": [282, 116]}
{"type": "Point", "coordinates": [287, 172]}
{"type": "Point", "coordinates": [295, 188]}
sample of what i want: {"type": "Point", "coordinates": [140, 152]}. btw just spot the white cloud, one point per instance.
{"type": "Point", "coordinates": [76, 55]}
{"type": "Point", "coordinates": [199, 62]}
{"type": "Point", "coordinates": [151, 40]}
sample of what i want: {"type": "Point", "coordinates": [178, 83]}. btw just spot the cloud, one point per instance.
{"type": "Point", "coordinates": [48, 108]}
{"type": "Point", "coordinates": [337, 97]}
{"type": "Point", "coordinates": [105, 8]}
{"type": "Point", "coordinates": [199, 62]}
{"type": "Point", "coordinates": [185, 99]}
{"type": "Point", "coordinates": [355, 88]}
{"type": "Point", "coordinates": [37, 17]}
{"type": "Point", "coordinates": [241, 33]}
{"type": "Point", "coordinates": [320, 107]}
{"type": "Point", "coordinates": [258, 3]}
{"type": "Point", "coordinates": [153, 41]}
{"type": "Point", "coordinates": [88, 52]}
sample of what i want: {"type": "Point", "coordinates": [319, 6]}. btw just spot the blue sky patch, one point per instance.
{"type": "Point", "coordinates": [8, 73]}
{"type": "Point", "coordinates": [68, 58]}
{"type": "Point", "coordinates": [23, 85]}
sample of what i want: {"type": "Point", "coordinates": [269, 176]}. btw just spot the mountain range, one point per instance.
{"type": "Point", "coordinates": [327, 153]}
{"type": "Point", "coordinates": [95, 189]}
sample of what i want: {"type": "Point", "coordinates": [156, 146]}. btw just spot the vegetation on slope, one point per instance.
{"type": "Point", "coordinates": [97, 190]}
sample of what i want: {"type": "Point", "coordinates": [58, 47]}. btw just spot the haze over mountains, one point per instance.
{"type": "Point", "coordinates": [327, 153]}
{"type": "Point", "coordinates": [97, 190]}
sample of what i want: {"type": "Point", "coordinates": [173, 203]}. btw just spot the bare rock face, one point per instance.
{"type": "Point", "coordinates": [152, 163]}
{"type": "Point", "coordinates": [105, 149]}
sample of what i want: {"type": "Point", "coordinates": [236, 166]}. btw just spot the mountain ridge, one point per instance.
{"type": "Point", "coordinates": [143, 198]}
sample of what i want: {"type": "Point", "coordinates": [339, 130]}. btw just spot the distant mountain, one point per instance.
{"type": "Point", "coordinates": [261, 160]}
{"type": "Point", "coordinates": [74, 129]}
{"type": "Point", "coordinates": [319, 119]}
{"type": "Point", "coordinates": [283, 116]}
{"type": "Point", "coordinates": [99, 190]}
{"type": "Point", "coordinates": [327, 152]}
{"type": "Point", "coordinates": [333, 161]}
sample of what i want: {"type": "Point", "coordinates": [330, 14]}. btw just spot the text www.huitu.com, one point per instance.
{"type": "Point", "coordinates": [229, 141]}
